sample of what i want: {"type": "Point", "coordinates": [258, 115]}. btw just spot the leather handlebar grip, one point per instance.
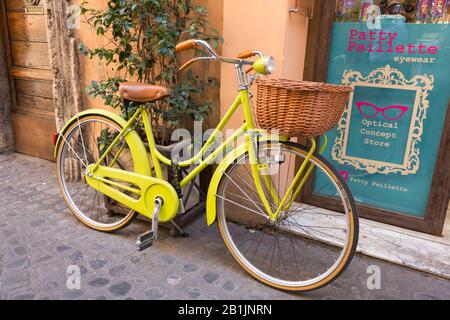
{"type": "Point", "coordinates": [185, 45]}
{"type": "Point", "coordinates": [246, 54]}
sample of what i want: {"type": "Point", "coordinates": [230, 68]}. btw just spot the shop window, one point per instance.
{"type": "Point", "coordinates": [408, 11]}
{"type": "Point", "coordinates": [396, 56]}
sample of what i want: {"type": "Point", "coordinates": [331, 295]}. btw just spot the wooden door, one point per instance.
{"type": "Point", "coordinates": [31, 79]}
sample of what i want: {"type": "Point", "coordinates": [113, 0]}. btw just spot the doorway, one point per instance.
{"type": "Point", "coordinates": [31, 79]}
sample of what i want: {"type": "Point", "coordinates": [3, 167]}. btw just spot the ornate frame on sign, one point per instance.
{"type": "Point", "coordinates": [391, 78]}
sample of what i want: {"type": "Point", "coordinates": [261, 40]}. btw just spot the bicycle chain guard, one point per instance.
{"type": "Point", "coordinates": [114, 183]}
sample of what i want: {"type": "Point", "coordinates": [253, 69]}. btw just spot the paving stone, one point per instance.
{"type": "Point", "coordinates": [194, 293]}
{"type": "Point", "coordinates": [44, 257]}
{"type": "Point", "coordinates": [173, 280]}
{"type": "Point", "coordinates": [228, 285]}
{"type": "Point", "coordinates": [72, 295]}
{"type": "Point", "coordinates": [96, 246]}
{"type": "Point", "coordinates": [135, 259]}
{"type": "Point", "coordinates": [41, 238]}
{"type": "Point", "coordinates": [51, 285]}
{"type": "Point", "coordinates": [20, 250]}
{"type": "Point", "coordinates": [13, 281]}
{"type": "Point", "coordinates": [424, 296]}
{"type": "Point", "coordinates": [62, 248]}
{"type": "Point", "coordinates": [154, 293]}
{"type": "Point", "coordinates": [120, 289]}
{"type": "Point", "coordinates": [190, 267]}
{"type": "Point", "coordinates": [168, 259]}
{"type": "Point", "coordinates": [98, 282]}
{"type": "Point", "coordinates": [39, 243]}
{"type": "Point", "coordinates": [37, 223]}
{"type": "Point", "coordinates": [117, 270]}
{"type": "Point", "coordinates": [98, 263]}
{"type": "Point", "coordinates": [210, 277]}
{"type": "Point", "coordinates": [255, 297]}
{"type": "Point", "coordinates": [18, 264]}
{"type": "Point", "coordinates": [83, 270]}
{"type": "Point", "coordinates": [76, 257]}
{"type": "Point", "coordinates": [9, 232]}
{"type": "Point", "coordinates": [24, 296]}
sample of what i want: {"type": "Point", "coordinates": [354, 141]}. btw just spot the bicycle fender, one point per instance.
{"type": "Point", "coordinates": [137, 147]}
{"type": "Point", "coordinates": [211, 200]}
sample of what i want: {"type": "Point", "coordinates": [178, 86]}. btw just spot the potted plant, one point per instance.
{"type": "Point", "coordinates": [142, 35]}
{"type": "Point", "coordinates": [141, 38]}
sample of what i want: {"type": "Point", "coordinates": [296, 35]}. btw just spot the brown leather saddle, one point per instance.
{"type": "Point", "coordinates": [142, 92]}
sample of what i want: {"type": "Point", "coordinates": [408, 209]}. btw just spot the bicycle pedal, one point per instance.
{"type": "Point", "coordinates": [144, 241]}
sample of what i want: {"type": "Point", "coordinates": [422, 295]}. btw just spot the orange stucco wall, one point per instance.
{"type": "Point", "coordinates": [264, 25]}
{"type": "Point", "coordinates": [91, 69]}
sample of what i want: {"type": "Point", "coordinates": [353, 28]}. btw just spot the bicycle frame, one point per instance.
{"type": "Point", "coordinates": [247, 129]}
{"type": "Point", "coordinates": [133, 175]}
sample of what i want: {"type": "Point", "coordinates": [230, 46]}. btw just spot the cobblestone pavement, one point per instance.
{"type": "Point", "coordinates": [40, 238]}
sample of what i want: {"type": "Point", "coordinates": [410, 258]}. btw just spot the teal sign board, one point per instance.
{"type": "Point", "coordinates": [387, 140]}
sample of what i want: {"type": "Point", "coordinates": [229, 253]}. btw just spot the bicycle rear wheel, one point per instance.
{"type": "Point", "coordinates": [308, 246]}
{"type": "Point", "coordinates": [82, 144]}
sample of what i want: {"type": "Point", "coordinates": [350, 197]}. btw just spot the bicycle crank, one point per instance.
{"type": "Point", "coordinates": [146, 239]}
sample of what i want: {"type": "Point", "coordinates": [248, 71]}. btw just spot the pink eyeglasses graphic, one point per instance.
{"type": "Point", "coordinates": [362, 104]}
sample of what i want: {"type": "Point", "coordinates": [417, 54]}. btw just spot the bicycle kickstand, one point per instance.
{"type": "Point", "coordinates": [146, 239]}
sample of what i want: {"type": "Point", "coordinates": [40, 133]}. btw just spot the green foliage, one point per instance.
{"type": "Point", "coordinates": [105, 139]}
{"type": "Point", "coordinates": [142, 35]}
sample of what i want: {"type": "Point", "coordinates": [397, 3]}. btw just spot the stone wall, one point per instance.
{"type": "Point", "coordinates": [64, 61]}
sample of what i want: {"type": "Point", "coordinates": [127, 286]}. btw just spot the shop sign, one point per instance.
{"type": "Point", "coordinates": [387, 141]}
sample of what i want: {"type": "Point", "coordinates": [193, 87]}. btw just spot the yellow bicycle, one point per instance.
{"type": "Point", "coordinates": [256, 193]}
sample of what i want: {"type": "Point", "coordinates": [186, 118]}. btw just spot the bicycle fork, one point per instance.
{"type": "Point", "coordinates": [262, 168]}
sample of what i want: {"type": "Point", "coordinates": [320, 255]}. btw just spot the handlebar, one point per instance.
{"type": "Point", "coordinates": [246, 54]}
{"type": "Point", "coordinates": [249, 54]}
{"type": "Point", "coordinates": [212, 55]}
{"type": "Point", "coordinates": [191, 44]}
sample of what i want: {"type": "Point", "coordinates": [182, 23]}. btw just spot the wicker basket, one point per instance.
{"type": "Point", "coordinates": [299, 108]}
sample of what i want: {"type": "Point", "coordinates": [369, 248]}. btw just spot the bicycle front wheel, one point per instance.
{"type": "Point", "coordinates": [308, 246]}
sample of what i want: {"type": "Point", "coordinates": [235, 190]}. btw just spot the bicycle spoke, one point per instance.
{"type": "Point", "coordinates": [244, 207]}
{"type": "Point", "coordinates": [240, 189]}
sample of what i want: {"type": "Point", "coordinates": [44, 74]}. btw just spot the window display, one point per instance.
{"type": "Point", "coordinates": [396, 57]}
{"type": "Point", "coordinates": [410, 11]}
